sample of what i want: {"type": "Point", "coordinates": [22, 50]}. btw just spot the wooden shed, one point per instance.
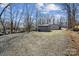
{"type": "Point", "coordinates": [44, 28]}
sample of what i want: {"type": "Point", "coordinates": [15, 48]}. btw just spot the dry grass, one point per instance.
{"type": "Point", "coordinates": [73, 47]}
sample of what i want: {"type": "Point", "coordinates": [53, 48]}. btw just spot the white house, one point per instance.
{"type": "Point", "coordinates": [48, 27]}
{"type": "Point", "coordinates": [54, 26]}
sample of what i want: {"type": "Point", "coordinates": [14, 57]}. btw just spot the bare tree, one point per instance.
{"type": "Point", "coordinates": [16, 17]}
{"type": "Point", "coordinates": [74, 10]}
{"type": "Point", "coordinates": [68, 9]}
{"type": "Point", "coordinates": [61, 22]}
{"type": "Point", "coordinates": [20, 18]}
{"type": "Point", "coordinates": [71, 13]}
{"type": "Point", "coordinates": [37, 15]}
{"type": "Point", "coordinates": [1, 20]}
{"type": "Point", "coordinates": [28, 19]}
{"type": "Point", "coordinates": [53, 20]}
{"type": "Point", "coordinates": [11, 19]}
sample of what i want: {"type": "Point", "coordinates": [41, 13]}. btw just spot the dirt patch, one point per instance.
{"type": "Point", "coordinates": [37, 44]}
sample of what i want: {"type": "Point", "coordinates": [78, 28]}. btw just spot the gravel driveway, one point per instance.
{"type": "Point", "coordinates": [34, 44]}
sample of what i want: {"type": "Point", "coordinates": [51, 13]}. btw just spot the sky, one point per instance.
{"type": "Point", "coordinates": [49, 8]}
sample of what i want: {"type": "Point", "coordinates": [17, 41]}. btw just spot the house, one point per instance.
{"type": "Point", "coordinates": [48, 27]}
{"type": "Point", "coordinates": [44, 28]}
{"type": "Point", "coordinates": [54, 26]}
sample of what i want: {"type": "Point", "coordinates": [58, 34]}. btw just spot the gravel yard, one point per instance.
{"type": "Point", "coordinates": [34, 44]}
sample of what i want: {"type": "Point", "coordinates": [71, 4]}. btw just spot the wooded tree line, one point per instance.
{"type": "Point", "coordinates": [24, 15]}
{"type": "Point", "coordinates": [72, 10]}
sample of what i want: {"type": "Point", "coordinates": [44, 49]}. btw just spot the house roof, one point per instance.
{"type": "Point", "coordinates": [48, 25]}
{"type": "Point", "coordinates": [53, 24]}
{"type": "Point", "coordinates": [44, 25]}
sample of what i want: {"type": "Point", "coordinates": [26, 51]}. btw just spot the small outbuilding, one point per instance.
{"type": "Point", "coordinates": [44, 28]}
